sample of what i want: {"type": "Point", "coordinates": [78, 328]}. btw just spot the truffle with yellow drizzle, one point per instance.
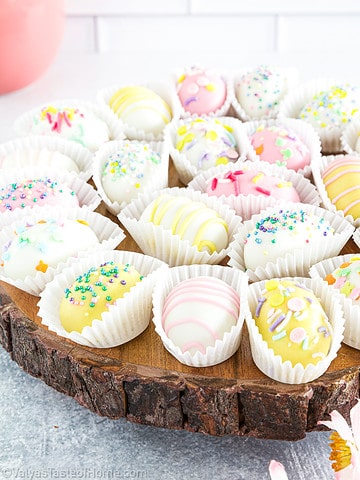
{"type": "Point", "coordinates": [191, 220]}
{"type": "Point", "coordinates": [93, 292]}
{"type": "Point", "coordinates": [141, 108]}
{"type": "Point", "coordinates": [293, 322]}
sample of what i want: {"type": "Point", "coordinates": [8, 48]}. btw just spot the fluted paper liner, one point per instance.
{"type": "Point", "coordinates": [122, 322]}
{"type": "Point", "coordinates": [303, 130]}
{"type": "Point", "coordinates": [318, 170]}
{"type": "Point", "coordinates": [84, 192]}
{"type": "Point", "coordinates": [42, 147]}
{"type": "Point", "coordinates": [298, 262]}
{"type": "Point", "coordinates": [351, 309]}
{"type": "Point", "coordinates": [229, 344]}
{"type": "Point", "coordinates": [185, 169]}
{"type": "Point", "coordinates": [248, 205]}
{"type": "Point", "coordinates": [290, 79]}
{"type": "Point", "coordinates": [23, 123]}
{"type": "Point", "coordinates": [330, 136]}
{"type": "Point", "coordinates": [164, 90]}
{"type": "Point", "coordinates": [219, 112]}
{"type": "Point", "coordinates": [159, 176]}
{"type": "Point", "coordinates": [109, 234]}
{"type": "Point", "coordinates": [274, 366]}
{"type": "Point", "coordinates": [159, 242]}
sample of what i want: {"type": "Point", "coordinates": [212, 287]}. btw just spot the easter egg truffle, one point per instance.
{"type": "Point", "coordinates": [129, 170]}
{"type": "Point", "coordinates": [38, 157]}
{"type": "Point", "coordinates": [78, 124]}
{"type": "Point", "coordinates": [251, 182]}
{"type": "Point", "coordinates": [280, 146]}
{"type": "Point", "coordinates": [198, 312]}
{"type": "Point", "coordinates": [281, 232]}
{"type": "Point", "coordinates": [260, 91]}
{"type": "Point", "coordinates": [36, 192]}
{"type": "Point", "coordinates": [201, 91]}
{"type": "Point", "coordinates": [346, 278]}
{"type": "Point", "coordinates": [93, 292]}
{"type": "Point", "coordinates": [191, 220]}
{"type": "Point", "coordinates": [293, 322]}
{"type": "Point", "coordinates": [38, 246]}
{"type": "Point", "coordinates": [332, 107]}
{"type": "Point", "coordinates": [141, 108]}
{"type": "Point", "coordinates": [341, 179]}
{"type": "Point", "coordinates": [206, 142]}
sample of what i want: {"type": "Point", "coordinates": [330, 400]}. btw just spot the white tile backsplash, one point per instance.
{"type": "Point", "coordinates": [205, 26]}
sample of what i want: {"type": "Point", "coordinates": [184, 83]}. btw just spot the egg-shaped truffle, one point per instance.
{"type": "Point", "coordinates": [21, 158]}
{"type": "Point", "coordinates": [341, 179]}
{"type": "Point", "coordinates": [141, 108]}
{"type": "Point", "coordinates": [332, 107]}
{"type": "Point", "coordinates": [280, 145]}
{"type": "Point", "coordinates": [201, 91]}
{"type": "Point", "coordinates": [260, 91]}
{"type": "Point", "coordinates": [199, 311]}
{"type": "Point", "coordinates": [46, 243]}
{"type": "Point", "coordinates": [78, 124]}
{"type": "Point", "coordinates": [93, 292]}
{"type": "Point", "coordinates": [346, 278]}
{"type": "Point", "coordinates": [191, 220]}
{"type": "Point", "coordinates": [129, 170]}
{"type": "Point", "coordinates": [36, 192]}
{"type": "Point", "coordinates": [206, 142]}
{"type": "Point", "coordinates": [292, 321]}
{"type": "Point", "coordinates": [251, 182]}
{"type": "Point", "coordinates": [281, 232]}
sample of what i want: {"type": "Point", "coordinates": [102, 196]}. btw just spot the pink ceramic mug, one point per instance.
{"type": "Point", "coordinates": [30, 34]}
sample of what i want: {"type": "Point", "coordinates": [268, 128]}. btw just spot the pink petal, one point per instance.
{"type": "Point", "coordinates": [339, 424]}
{"type": "Point", "coordinates": [355, 423]}
{"type": "Point", "coordinates": [345, 474]}
{"type": "Point", "coordinates": [277, 471]}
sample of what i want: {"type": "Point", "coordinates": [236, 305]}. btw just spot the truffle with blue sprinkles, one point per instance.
{"type": "Point", "coordinates": [283, 231]}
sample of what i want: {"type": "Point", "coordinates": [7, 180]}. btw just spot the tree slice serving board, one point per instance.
{"type": "Point", "coordinates": [142, 382]}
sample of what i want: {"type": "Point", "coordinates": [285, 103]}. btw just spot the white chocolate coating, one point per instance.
{"type": "Point", "coordinates": [199, 311]}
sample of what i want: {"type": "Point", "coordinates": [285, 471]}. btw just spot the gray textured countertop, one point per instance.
{"type": "Point", "coordinates": [45, 434]}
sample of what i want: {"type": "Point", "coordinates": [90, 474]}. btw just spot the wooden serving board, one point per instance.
{"type": "Point", "coordinates": [144, 383]}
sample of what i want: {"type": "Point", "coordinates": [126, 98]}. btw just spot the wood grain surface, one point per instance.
{"type": "Point", "coordinates": [141, 381]}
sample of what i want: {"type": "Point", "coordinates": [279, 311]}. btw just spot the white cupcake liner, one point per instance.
{"type": "Point", "coordinates": [291, 76]}
{"type": "Point", "coordinates": [164, 90]}
{"type": "Point", "coordinates": [160, 243]}
{"type": "Point", "coordinates": [46, 147]}
{"type": "Point", "coordinates": [109, 234]}
{"type": "Point", "coordinates": [85, 193]}
{"type": "Point", "coordinates": [273, 365]}
{"type": "Point", "coordinates": [23, 123]}
{"type": "Point", "coordinates": [299, 261]}
{"type": "Point", "coordinates": [350, 136]}
{"type": "Point", "coordinates": [330, 136]}
{"type": "Point", "coordinates": [159, 176]}
{"type": "Point", "coordinates": [318, 170]}
{"type": "Point", "coordinates": [223, 349]}
{"type": "Point", "coordinates": [123, 321]}
{"type": "Point", "coordinates": [248, 205]}
{"type": "Point", "coordinates": [304, 130]}
{"type": "Point", "coordinates": [356, 236]}
{"type": "Point", "coordinates": [185, 169]}
{"type": "Point", "coordinates": [220, 112]}
{"type": "Point", "coordinates": [351, 310]}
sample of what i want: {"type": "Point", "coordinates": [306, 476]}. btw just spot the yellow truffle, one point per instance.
{"type": "Point", "coordinates": [293, 323]}
{"type": "Point", "coordinates": [93, 292]}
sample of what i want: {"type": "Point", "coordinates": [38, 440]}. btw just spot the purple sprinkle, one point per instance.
{"type": "Point", "coordinates": [189, 100]}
